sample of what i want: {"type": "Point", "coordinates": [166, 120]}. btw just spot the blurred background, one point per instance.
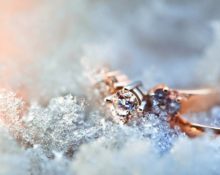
{"type": "Point", "coordinates": [44, 44]}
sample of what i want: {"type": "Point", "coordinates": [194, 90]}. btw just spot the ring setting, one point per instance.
{"type": "Point", "coordinates": [126, 103]}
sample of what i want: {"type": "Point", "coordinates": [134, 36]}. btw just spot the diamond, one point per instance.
{"type": "Point", "coordinates": [166, 101]}
{"type": "Point", "coordinates": [125, 103]}
{"type": "Point", "coordinates": [160, 95]}
{"type": "Point", "coordinates": [172, 106]}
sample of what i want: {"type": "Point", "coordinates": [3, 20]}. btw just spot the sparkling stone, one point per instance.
{"type": "Point", "coordinates": [161, 102]}
{"type": "Point", "coordinates": [124, 103]}
{"type": "Point", "coordinates": [172, 106]}
{"type": "Point", "coordinates": [160, 95]}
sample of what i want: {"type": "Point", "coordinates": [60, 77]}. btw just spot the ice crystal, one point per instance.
{"type": "Point", "coordinates": [62, 126]}
{"type": "Point", "coordinates": [10, 107]}
{"type": "Point", "coordinates": [64, 136]}
{"type": "Point", "coordinates": [66, 123]}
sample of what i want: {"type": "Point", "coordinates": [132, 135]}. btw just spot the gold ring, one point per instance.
{"type": "Point", "coordinates": [128, 100]}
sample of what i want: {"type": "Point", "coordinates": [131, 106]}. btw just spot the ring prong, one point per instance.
{"type": "Point", "coordinates": [143, 106]}
{"type": "Point", "coordinates": [151, 94]}
{"type": "Point", "coordinates": [133, 85]}
{"type": "Point", "coordinates": [179, 99]}
{"type": "Point", "coordinates": [166, 89]}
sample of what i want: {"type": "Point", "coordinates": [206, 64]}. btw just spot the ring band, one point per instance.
{"type": "Point", "coordinates": [192, 129]}
{"type": "Point", "coordinates": [199, 100]}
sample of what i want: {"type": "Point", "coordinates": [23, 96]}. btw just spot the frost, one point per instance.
{"type": "Point", "coordinates": [11, 110]}
{"type": "Point", "coordinates": [10, 107]}
{"type": "Point", "coordinates": [69, 136]}
{"type": "Point", "coordinates": [67, 123]}
{"type": "Point", "coordinates": [60, 127]}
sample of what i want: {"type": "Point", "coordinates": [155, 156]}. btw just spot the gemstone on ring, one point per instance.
{"type": "Point", "coordinates": [172, 106]}
{"type": "Point", "coordinates": [124, 104]}
{"type": "Point", "coordinates": [166, 101]}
